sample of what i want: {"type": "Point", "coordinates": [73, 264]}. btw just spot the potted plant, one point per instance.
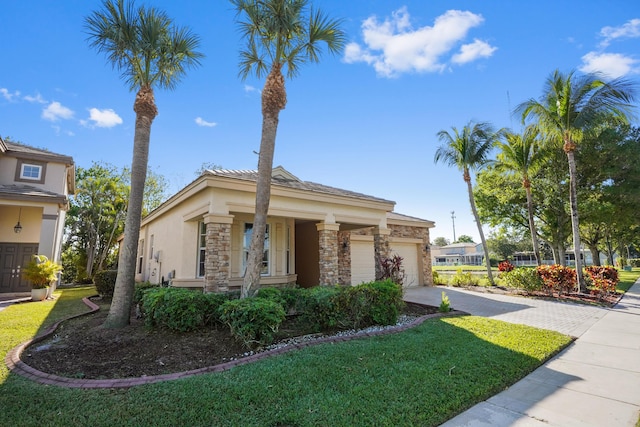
{"type": "Point", "coordinates": [41, 272]}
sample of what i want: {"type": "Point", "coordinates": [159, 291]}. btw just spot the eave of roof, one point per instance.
{"type": "Point", "coordinates": [30, 193]}
{"type": "Point", "coordinates": [26, 151]}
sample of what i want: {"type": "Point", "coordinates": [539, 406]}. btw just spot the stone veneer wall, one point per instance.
{"type": "Point", "coordinates": [344, 257]}
{"type": "Point", "coordinates": [381, 249]}
{"type": "Point", "coordinates": [218, 257]}
{"type": "Point", "coordinates": [328, 251]}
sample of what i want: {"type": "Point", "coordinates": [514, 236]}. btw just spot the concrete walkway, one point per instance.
{"type": "Point", "coordinates": [593, 382]}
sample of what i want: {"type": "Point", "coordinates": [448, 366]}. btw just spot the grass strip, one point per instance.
{"type": "Point", "coordinates": [424, 377]}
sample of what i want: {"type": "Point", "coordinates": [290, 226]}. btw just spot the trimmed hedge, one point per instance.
{"type": "Point", "coordinates": [105, 282]}
{"type": "Point", "coordinates": [525, 278]}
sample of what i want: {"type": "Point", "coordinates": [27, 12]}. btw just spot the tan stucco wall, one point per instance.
{"type": "Point", "coordinates": [30, 219]}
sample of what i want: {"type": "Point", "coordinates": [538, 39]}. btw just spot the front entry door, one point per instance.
{"type": "Point", "coordinates": [13, 256]}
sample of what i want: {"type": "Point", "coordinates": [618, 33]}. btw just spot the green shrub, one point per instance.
{"type": "Point", "coordinates": [105, 282]}
{"type": "Point", "coordinates": [374, 303]}
{"type": "Point", "coordinates": [321, 308]}
{"type": "Point", "coordinates": [525, 278]}
{"type": "Point", "coordinates": [272, 294]}
{"type": "Point", "coordinates": [140, 289]}
{"type": "Point", "coordinates": [437, 279]}
{"type": "Point", "coordinates": [463, 279]}
{"type": "Point", "coordinates": [252, 320]}
{"type": "Point", "coordinates": [445, 304]}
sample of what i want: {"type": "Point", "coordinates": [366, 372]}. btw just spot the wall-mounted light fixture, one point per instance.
{"type": "Point", "coordinates": [345, 243]}
{"type": "Point", "coordinates": [18, 228]}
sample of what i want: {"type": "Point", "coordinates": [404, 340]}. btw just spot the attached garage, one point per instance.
{"type": "Point", "coordinates": [362, 260]}
{"type": "Point", "coordinates": [410, 262]}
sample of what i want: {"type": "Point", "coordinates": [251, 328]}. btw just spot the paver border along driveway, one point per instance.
{"type": "Point", "coordinates": [567, 318]}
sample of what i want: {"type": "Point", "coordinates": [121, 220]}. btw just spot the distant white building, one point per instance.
{"type": "Point", "coordinates": [457, 254]}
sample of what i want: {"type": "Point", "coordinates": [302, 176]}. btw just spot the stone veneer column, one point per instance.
{"type": "Point", "coordinates": [217, 261]}
{"type": "Point", "coordinates": [381, 247]}
{"type": "Point", "coordinates": [344, 257]}
{"type": "Point", "coordinates": [328, 253]}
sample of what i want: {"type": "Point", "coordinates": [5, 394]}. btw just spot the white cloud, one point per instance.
{"type": "Point", "coordinates": [472, 51]}
{"type": "Point", "coordinates": [393, 47]}
{"type": "Point", "coordinates": [37, 99]}
{"type": "Point", "coordinates": [249, 89]}
{"type": "Point", "coordinates": [202, 122]}
{"type": "Point", "coordinates": [630, 29]}
{"type": "Point", "coordinates": [56, 111]}
{"type": "Point", "coordinates": [612, 65]}
{"type": "Point", "coordinates": [103, 118]}
{"type": "Point", "coordinates": [8, 95]}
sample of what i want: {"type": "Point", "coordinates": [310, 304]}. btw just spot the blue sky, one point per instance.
{"type": "Point", "coordinates": [364, 121]}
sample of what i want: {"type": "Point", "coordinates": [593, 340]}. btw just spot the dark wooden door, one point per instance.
{"type": "Point", "coordinates": [13, 256]}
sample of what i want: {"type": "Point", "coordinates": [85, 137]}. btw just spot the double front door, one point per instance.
{"type": "Point", "coordinates": [13, 257]}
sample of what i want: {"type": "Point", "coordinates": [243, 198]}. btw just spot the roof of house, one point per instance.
{"type": "Point", "coordinates": [281, 177]}
{"type": "Point", "coordinates": [16, 149]}
{"type": "Point", "coordinates": [28, 192]}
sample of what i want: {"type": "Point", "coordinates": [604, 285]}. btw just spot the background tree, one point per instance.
{"type": "Point", "coordinates": [521, 154]}
{"type": "Point", "coordinates": [440, 241]}
{"type": "Point", "coordinates": [279, 34]}
{"type": "Point", "coordinates": [569, 105]}
{"type": "Point", "coordinates": [464, 239]}
{"type": "Point", "coordinates": [469, 150]}
{"type": "Point", "coordinates": [505, 242]}
{"type": "Point", "coordinates": [149, 50]}
{"type": "Point", "coordinates": [205, 166]}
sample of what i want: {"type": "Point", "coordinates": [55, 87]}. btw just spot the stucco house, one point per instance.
{"type": "Point", "coordinates": [35, 185]}
{"type": "Point", "coordinates": [458, 254]}
{"type": "Point", "coordinates": [316, 234]}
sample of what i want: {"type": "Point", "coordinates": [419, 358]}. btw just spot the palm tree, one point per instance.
{"type": "Point", "coordinates": [469, 150]}
{"type": "Point", "coordinates": [522, 155]}
{"type": "Point", "coordinates": [570, 104]}
{"type": "Point", "coordinates": [279, 34]}
{"type": "Point", "coordinates": [149, 50]}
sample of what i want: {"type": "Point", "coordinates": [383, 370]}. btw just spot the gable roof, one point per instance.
{"type": "Point", "coordinates": [25, 151]}
{"type": "Point", "coordinates": [29, 192]}
{"type": "Point", "coordinates": [281, 177]}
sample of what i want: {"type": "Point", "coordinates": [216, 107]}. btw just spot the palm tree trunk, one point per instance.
{"type": "Point", "coordinates": [532, 226]}
{"type": "Point", "coordinates": [120, 310]}
{"type": "Point", "coordinates": [575, 224]}
{"type": "Point", "coordinates": [485, 248]}
{"type": "Point", "coordinates": [274, 99]}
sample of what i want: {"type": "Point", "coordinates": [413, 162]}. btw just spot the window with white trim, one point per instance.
{"type": "Point", "coordinates": [246, 243]}
{"type": "Point", "coordinates": [202, 247]}
{"type": "Point", "coordinates": [288, 255]}
{"type": "Point", "coordinates": [31, 172]}
{"type": "Point", "coordinates": [140, 255]}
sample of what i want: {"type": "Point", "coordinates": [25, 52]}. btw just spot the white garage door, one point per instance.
{"type": "Point", "coordinates": [363, 268]}
{"type": "Point", "coordinates": [410, 263]}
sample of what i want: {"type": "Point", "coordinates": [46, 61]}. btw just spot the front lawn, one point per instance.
{"type": "Point", "coordinates": [423, 377]}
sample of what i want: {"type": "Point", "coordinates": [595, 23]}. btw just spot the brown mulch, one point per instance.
{"type": "Point", "coordinates": [81, 348]}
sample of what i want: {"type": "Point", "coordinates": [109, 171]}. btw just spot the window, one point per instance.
{"type": "Point", "coordinates": [30, 171]}
{"type": "Point", "coordinates": [288, 255]}
{"type": "Point", "coordinates": [246, 242]}
{"type": "Point", "coordinates": [151, 247]}
{"type": "Point", "coordinates": [140, 255]}
{"type": "Point", "coordinates": [202, 247]}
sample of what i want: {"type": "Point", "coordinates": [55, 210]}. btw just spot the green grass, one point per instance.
{"type": "Point", "coordinates": [423, 377]}
{"type": "Point", "coordinates": [627, 279]}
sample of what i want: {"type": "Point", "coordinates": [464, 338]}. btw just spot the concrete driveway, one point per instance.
{"type": "Point", "coordinates": [567, 318]}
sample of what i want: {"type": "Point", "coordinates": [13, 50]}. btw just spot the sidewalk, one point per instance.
{"type": "Point", "coordinates": [593, 382]}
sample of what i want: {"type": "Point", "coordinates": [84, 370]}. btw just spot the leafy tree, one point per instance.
{"type": "Point", "coordinates": [521, 154]}
{"type": "Point", "coordinates": [96, 216]}
{"type": "Point", "coordinates": [469, 150]}
{"type": "Point", "coordinates": [279, 34]}
{"type": "Point", "coordinates": [504, 242]}
{"type": "Point", "coordinates": [569, 105]}
{"type": "Point", "coordinates": [440, 241]}
{"type": "Point", "coordinates": [464, 239]}
{"type": "Point", "coordinates": [149, 50]}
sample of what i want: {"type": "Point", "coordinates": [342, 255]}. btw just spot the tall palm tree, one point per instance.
{"type": "Point", "coordinates": [569, 105]}
{"type": "Point", "coordinates": [469, 150]}
{"type": "Point", "coordinates": [523, 155]}
{"type": "Point", "coordinates": [279, 34]}
{"type": "Point", "coordinates": [149, 50]}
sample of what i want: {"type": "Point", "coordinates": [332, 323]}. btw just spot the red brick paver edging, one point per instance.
{"type": "Point", "coordinates": [17, 366]}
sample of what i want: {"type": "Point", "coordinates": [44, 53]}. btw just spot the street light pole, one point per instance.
{"type": "Point", "coordinates": [453, 220]}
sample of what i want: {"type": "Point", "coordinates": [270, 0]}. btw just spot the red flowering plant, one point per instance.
{"type": "Point", "coordinates": [557, 278]}
{"type": "Point", "coordinates": [604, 280]}
{"type": "Point", "coordinates": [505, 267]}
